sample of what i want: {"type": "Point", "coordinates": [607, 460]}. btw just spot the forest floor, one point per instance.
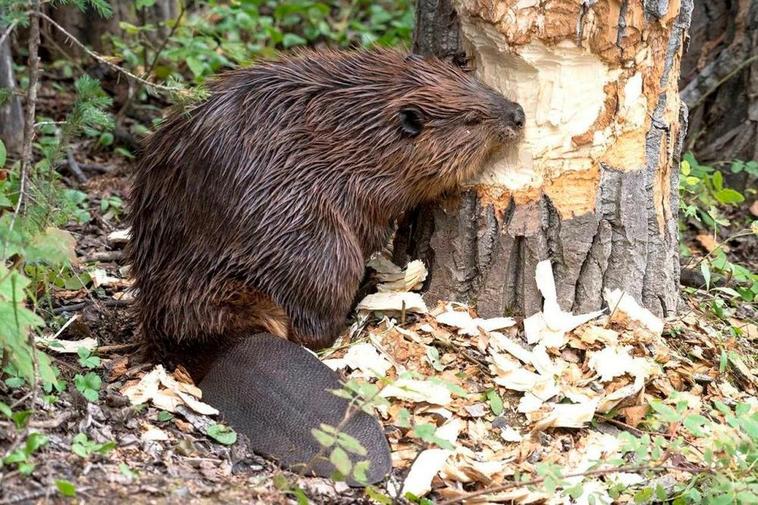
{"type": "Point", "coordinates": [498, 409]}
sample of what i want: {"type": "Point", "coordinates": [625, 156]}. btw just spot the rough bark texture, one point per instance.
{"type": "Point", "coordinates": [11, 114]}
{"type": "Point", "coordinates": [720, 80]}
{"type": "Point", "coordinates": [590, 187]}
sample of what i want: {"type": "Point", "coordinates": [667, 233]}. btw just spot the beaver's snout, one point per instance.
{"type": "Point", "coordinates": [515, 117]}
{"type": "Point", "coordinates": [512, 120]}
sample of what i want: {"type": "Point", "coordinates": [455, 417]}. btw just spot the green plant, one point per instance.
{"type": "Point", "coordinates": [702, 192]}
{"type": "Point", "coordinates": [65, 488]}
{"type": "Point", "coordinates": [88, 385]}
{"type": "Point", "coordinates": [722, 447]}
{"type": "Point", "coordinates": [704, 201]}
{"type": "Point", "coordinates": [222, 434]}
{"type": "Point", "coordinates": [87, 359]}
{"type": "Point", "coordinates": [35, 254]}
{"type": "Point", "coordinates": [21, 456]}
{"type": "Point", "coordinates": [226, 35]}
{"type": "Point", "coordinates": [111, 206]}
{"type": "Point", "coordinates": [84, 447]}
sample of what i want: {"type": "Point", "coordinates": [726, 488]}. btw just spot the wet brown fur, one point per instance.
{"type": "Point", "coordinates": [257, 209]}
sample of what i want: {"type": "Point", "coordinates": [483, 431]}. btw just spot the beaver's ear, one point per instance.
{"type": "Point", "coordinates": [462, 61]}
{"type": "Point", "coordinates": [411, 121]}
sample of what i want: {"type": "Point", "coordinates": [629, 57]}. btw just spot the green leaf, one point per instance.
{"type": "Point", "coordinates": [65, 488]}
{"type": "Point", "coordinates": [322, 438]}
{"type": "Point", "coordinates": [196, 66]}
{"type": "Point", "coordinates": [403, 419]}
{"type": "Point", "coordinates": [360, 470]}
{"type": "Point", "coordinates": [341, 461]}
{"type": "Point", "coordinates": [684, 167]}
{"type": "Point", "coordinates": [105, 447]}
{"type": "Point", "coordinates": [291, 39]}
{"type": "Point", "coordinates": [88, 385]}
{"type": "Point", "coordinates": [668, 414]}
{"type": "Point", "coordinates": [723, 361]}
{"type": "Point", "coordinates": [692, 180]}
{"type": "Point", "coordinates": [21, 418]}
{"type": "Point", "coordinates": [729, 196]}
{"type": "Point", "coordinates": [433, 355]}
{"type": "Point", "coordinates": [5, 410]}
{"type": "Point", "coordinates": [427, 433]}
{"type": "Point", "coordinates": [222, 434]}
{"type": "Point", "coordinates": [496, 403]}
{"type": "Point", "coordinates": [351, 444]}
{"type": "Point", "coordinates": [141, 4]}
{"type": "Point", "coordinates": [53, 246]}
{"type": "Point", "coordinates": [718, 181]}
{"type": "Point", "coordinates": [126, 471]}
{"type": "Point", "coordinates": [695, 423]}
{"type": "Point", "coordinates": [378, 496]}
{"type": "Point", "coordinates": [34, 441]}
{"type": "Point", "coordinates": [165, 416]}
{"type": "Point", "coordinates": [3, 154]}
{"type": "Point", "coordinates": [643, 495]}
{"type": "Point", "coordinates": [705, 269]}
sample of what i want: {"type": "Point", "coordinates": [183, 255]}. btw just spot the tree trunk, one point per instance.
{"type": "Point", "coordinates": [720, 80]}
{"type": "Point", "coordinates": [593, 185]}
{"type": "Point", "coordinates": [11, 114]}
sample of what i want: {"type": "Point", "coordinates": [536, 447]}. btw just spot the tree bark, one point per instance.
{"type": "Point", "coordinates": [720, 80]}
{"type": "Point", "coordinates": [11, 114]}
{"type": "Point", "coordinates": [593, 185]}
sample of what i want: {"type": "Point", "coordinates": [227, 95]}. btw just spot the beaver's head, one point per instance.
{"type": "Point", "coordinates": [447, 121]}
{"type": "Point", "coordinates": [377, 123]}
{"type": "Point", "coordinates": [385, 115]}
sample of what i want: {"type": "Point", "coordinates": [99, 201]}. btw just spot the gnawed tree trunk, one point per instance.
{"type": "Point", "coordinates": [593, 185]}
{"type": "Point", "coordinates": [11, 114]}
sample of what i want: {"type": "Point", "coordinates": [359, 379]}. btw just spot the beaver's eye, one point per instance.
{"type": "Point", "coordinates": [471, 119]}
{"type": "Point", "coordinates": [411, 121]}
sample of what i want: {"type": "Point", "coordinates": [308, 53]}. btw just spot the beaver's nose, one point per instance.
{"type": "Point", "coordinates": [516, 116]}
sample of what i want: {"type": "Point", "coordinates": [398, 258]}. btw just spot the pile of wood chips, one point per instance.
{"type": "Point", "coordinates": [510, 394]}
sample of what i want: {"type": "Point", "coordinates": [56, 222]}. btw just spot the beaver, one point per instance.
{"type": "Point", "coordinates": [253, 214]}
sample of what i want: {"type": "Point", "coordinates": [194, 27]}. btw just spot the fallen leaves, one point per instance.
{"type": "Point", "coordinates": [501, 383]}
{"type": "Point", "coordinates": [166, 393]}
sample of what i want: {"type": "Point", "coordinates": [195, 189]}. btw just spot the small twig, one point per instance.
{"type": "Point", "coordinates": [80, 306]}
{"type": "Point", "coordinates": [27, 497]}
{"type": "Point", "coordinates": [74, 167]}
{"type": "Point", "coordinates": [31, 106]}
{"type": "Point", "coordinates": [102, 59]}
{"type": "Point", "coordinates": [104, 256]}
{"type": "Point", "coordinates": [49, 123]}
{"type": "Point", "coordinates": [107, 349]}
{"type": "Point", "coordinates": [724, 79]}
{"type": "Point", "coordinates": [7, 32]}
{"type": "Point", "coordinates": [164, 42]}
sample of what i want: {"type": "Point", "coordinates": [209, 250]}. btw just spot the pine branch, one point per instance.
{"type": "Point", "coordinates": [103, 59]}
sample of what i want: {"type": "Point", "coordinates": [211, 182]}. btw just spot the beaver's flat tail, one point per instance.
{"type": "Point", "coordinates": [275, 392]}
